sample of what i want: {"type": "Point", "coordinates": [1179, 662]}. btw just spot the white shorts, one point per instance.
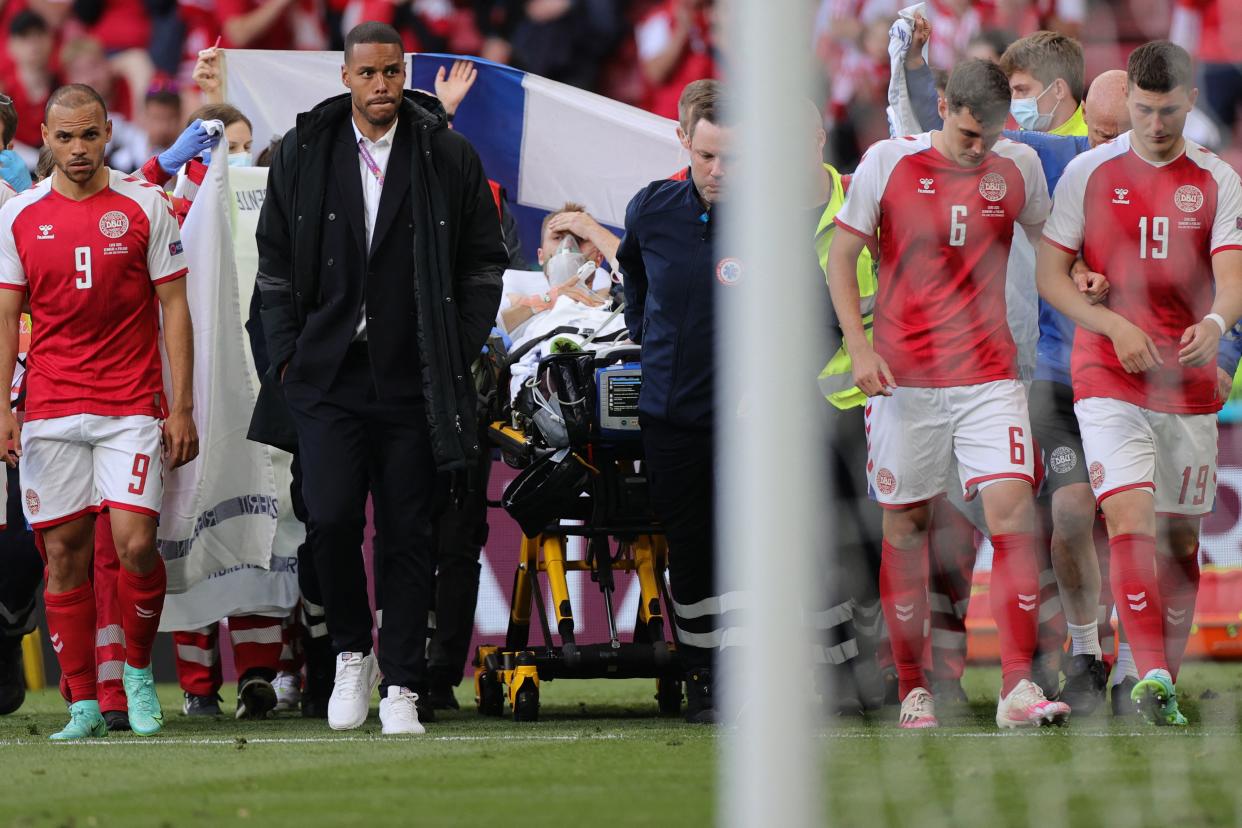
{"type": "Point", "coordinates": [1128, 447]}
{"type": "Point", "coordinates": [914, 435]}
{"type": "Point", "coordinates": [85, 462]}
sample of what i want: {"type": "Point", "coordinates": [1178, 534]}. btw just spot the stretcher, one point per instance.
{"type": "Point", "coordinates": [597, 483]}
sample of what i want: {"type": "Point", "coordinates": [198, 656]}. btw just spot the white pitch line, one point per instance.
{"type": "Point", "coordinates": [1159, 734]}
{"type": "Point", "coordinates": [242, 741]}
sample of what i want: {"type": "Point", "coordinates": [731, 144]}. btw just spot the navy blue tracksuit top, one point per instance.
{"type": "Point", "coordinates": [671, 275]}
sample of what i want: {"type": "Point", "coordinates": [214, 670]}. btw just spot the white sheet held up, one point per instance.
{"type": "Point", "coordinates": [219, 512]}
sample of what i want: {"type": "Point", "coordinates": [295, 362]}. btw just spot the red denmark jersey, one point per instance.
{"type": "Point", "coordinates": [944, 234]}
{"type": "Point", "coordinates": [91, 268]}
{"type": "Point", "coordinates": [1152, 230]}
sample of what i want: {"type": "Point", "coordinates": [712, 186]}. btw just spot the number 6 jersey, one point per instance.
{"type": "Point", "coordinates": [90, 268]}
{"type": "Point", "coordinates": [1152, 229]}
{"type": "Point", "coordinates": [944, 233]}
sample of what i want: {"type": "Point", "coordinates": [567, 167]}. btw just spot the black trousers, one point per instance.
{"type": "Point", "coordinates": [350, 443]}
{"type": "Point", "coordinates": [851, 563]}
{"type": "Point", "coordinates": [461, 534]}
{"type": "Point", "coordinates": [21, 568]}
{"type": "Point", "coordinates": [679, 464]}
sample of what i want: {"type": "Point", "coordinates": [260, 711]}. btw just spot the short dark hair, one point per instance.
{"type": "Point", "coordinates": [981, 87]}
{"type": "Point", "coordinates": [164, 97]}
{"type": "Point", "coordinates": [269, 152]}
{"type": "Point", "coordinates": [27, 22]}
{"type": "Point", "coordinates": [1159, 66]}
{"type": "Point", "coordinates": [372, 31]}
{"type": "Point", "coordinates": [1047, 56]}
{"type": "Point", "coordinates": [226, 114]}
{"type": "Point", "coordinates": [73, 95]}
{"type": "Point", "coordinates": [998, 40]}
{"type": "Point", "coordinates": [8, 123]}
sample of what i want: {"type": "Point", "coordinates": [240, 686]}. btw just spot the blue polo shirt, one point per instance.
{"type": "Point", "coordinates": [671, 274]}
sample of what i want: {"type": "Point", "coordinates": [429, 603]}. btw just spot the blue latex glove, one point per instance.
{"type": "Point", "coordinates": [189, 144]}
{"type": "Point", "coordinates": [13, 170]}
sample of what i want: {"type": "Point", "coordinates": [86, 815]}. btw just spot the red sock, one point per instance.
{"type": "Point", "coordinates": [1014, 594]}
{"type": "Point", "coordinates": [1137, 593]}
{"type": "Point", "coordinates": [71, 626]}
{"type": "Point", "coordinates": [1179, 586]}
{"type": "Point", "coordinates": [142, 601]}
{"type": "Point", "coordinates": [257, 642]}
{"type": "Point", "coordinates": [198, 660]}
{"type": "Point", "coordinates": [903, 594]}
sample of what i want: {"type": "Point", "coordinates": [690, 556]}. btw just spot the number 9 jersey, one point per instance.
{"type": "Point", "coordinates": [90, 268]}
{"type": "Point", "coordinates": [1152, 229]}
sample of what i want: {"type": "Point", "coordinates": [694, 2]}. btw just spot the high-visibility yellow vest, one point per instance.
{"type": "Point", "coordinates": [836, 381]}
{"type": "Point", "coordinates": [1076, 125]}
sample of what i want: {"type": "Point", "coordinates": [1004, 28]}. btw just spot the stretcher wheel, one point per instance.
{"type": "Point", "coordinates": [491, 695]}
{"type": "Point", "coordinates": [526, 704]}
{"type": "Point", "coordinates": [668, 696]}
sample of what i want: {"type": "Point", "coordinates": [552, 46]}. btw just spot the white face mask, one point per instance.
{"type": "Point", "coordinates": [241, 159]}
{"type": "Point", "coordinates": [562, 267]}
{"type": "Point", "coordinates": [1026, 112]}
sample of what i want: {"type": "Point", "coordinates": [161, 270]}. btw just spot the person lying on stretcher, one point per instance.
{"type": "Point", "coordinates": [567, 303]}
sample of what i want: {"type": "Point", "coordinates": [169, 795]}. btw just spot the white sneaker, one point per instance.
{"type": "Point", "coordinates": [918, 710]}
{"type": "Point", "coordinates": [1027, 706]}
{"type": "Point", "coordinates": [357, 676]}
{"type": "Point", "coordinates": [288, 687]}
{"type": "Point", "coordinates": [399, 714]}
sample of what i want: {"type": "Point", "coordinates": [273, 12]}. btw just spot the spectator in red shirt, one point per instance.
{"type": "Point", "coordinates": [1211, 30]}
{"type": "Point", "coordinates": [257, 24]}
{"type": "Point", "coordinates": [674, 48]}
{"type": "Point", "coordinates": [29, 80]}
{"type": "Point", "coordinates": [84, 61]}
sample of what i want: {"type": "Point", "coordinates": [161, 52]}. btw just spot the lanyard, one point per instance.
{"type": "Point", "coordinates": [369, 160]}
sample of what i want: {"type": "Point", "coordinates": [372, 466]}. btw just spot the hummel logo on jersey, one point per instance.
{"type": "Point", "coordinates": [1121, 193]}
{"type": "Point", "coordinates": [57, 644]}
{"type": "Point", "coordinates": [905, 612]}
{"type": "Point", "coordinates": [143, 612]}
{"type": "Point", "coordinates": [1175, 617]}
{"type": "Point", "coordinates": [1027, 602]}
{"type": "Point", "coordinates": [45, 232]}
{"type": "Point", "coordinates": [1138, 602]}
{"type": "Point", "coordinates": [927, 186]}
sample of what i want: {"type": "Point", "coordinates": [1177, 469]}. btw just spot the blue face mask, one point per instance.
{"type": "Point", "coordinates": [241, 159]}
{"type": "Point", "coordinates": [1026, 112]}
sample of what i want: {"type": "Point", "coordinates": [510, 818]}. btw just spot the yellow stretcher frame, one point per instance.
{"type": "Point", "coordinates": [510, 673]}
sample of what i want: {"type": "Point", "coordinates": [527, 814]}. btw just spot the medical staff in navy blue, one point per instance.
{"type": "Point", "coordinates": [672, 269]}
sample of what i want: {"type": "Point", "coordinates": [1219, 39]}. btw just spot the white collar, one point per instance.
{"type": "Point", "coordinates": [385, 139]}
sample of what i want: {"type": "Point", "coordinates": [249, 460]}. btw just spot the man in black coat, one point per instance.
{"type": "Point", "coordinates": [380, 261]}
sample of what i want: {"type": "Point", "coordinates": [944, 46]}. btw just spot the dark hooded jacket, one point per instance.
{"type": "Point", "coordinates": [458, 257]}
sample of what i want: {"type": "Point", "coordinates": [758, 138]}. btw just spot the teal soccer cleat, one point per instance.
{"type": "Point", "coordinates": [145, 716]}
{"type": "Point", "coordinates": [85, 722]}
{"type": "Point", "coordinates": [1156, 699]}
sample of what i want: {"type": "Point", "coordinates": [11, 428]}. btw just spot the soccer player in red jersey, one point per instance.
{"type": "Point", "coordinates": [93, 250]}
{"type": "Point", "coordinates": [942, 373]}
{"type": "Point", "coordinates": [1161, 217]}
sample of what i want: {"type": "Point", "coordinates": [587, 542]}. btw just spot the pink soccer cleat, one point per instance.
{"type": "Point", "coordinates": [918, 710]}
{"type": "Point", "coordinates": [1027, 706]}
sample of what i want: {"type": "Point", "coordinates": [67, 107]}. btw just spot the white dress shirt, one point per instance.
{"type": "Point", "coordinates": [371, 188]}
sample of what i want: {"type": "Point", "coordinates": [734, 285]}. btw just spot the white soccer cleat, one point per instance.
{"type": "Point", "coordinates": [399, 713]}
{"type": "Point", "coordinates": [918, 710]}
{"type": "Point", "coordinates": [357, 676]}
{"type": "Point", "coordinates": [1027, 706]}
{"type": "Point", "coordinates": [288, 687]}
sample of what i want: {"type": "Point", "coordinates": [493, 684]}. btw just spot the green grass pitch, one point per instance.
{"type": "Point", "coordinates": [601, 756]}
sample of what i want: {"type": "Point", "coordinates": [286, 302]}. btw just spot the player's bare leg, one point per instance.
{"type": "Point", "coordinates": [141, 590]}
{"type": "Point", "coordinates": [70, 601]}
{"type": "Point", "coordinates": [1177, 569]}
{"type": "Point", "coordinates": [1009, 508]}
{"type": "Point", "coordinates": [903, 594]}
{"type": "Point", "coordinates": [1131, 519]}
{"type": "Point", "coordinates": [1077, 569]}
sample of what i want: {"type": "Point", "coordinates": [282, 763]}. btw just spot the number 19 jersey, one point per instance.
{"type": "Point", "coordinates": [944, 233]}
{"type": "Point", "coordinates": [90, 268]}
{"type": "Point", "coordinates": [1152, 229]}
